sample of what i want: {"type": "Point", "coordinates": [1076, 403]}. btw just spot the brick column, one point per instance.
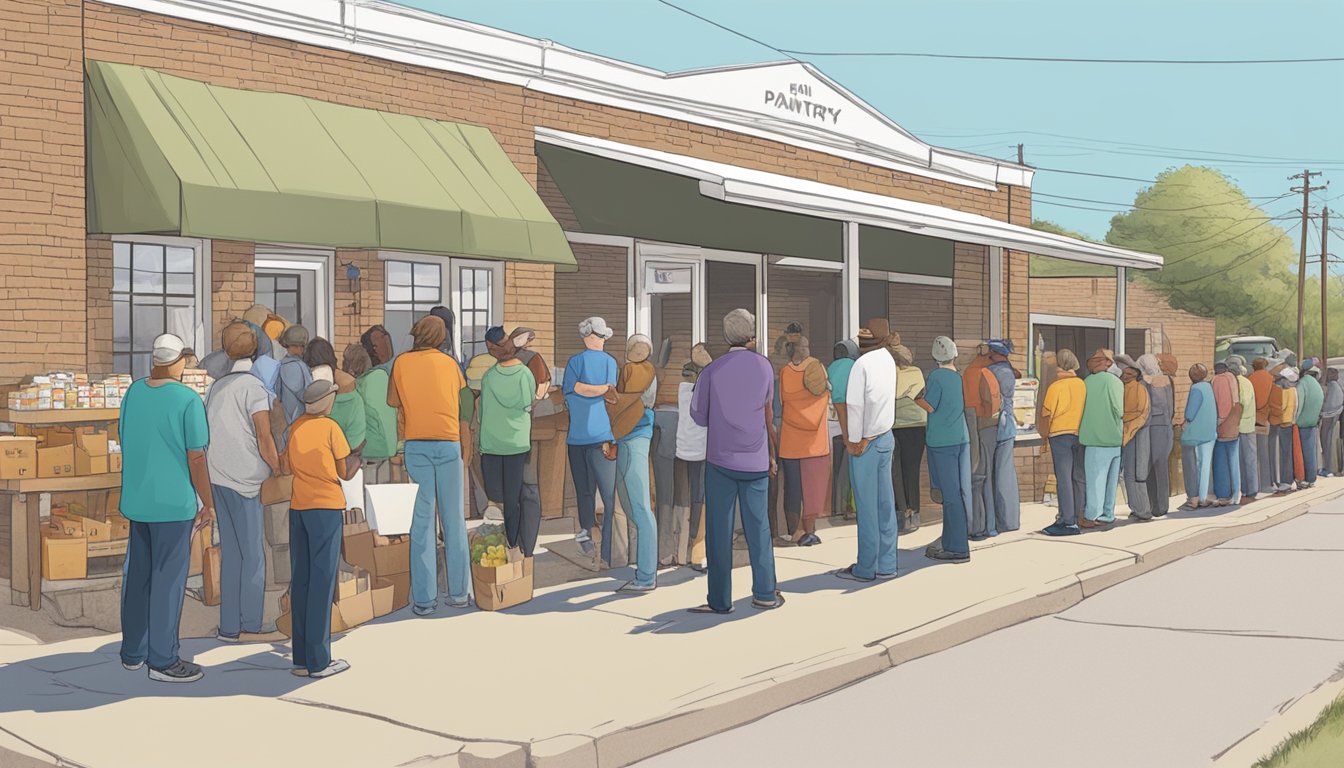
{"type": "Point", "coordinates": [353, 312]}
{"type": "Point", "coordinates": [232, 283]}
{"type": "Point", "coordinates": [98, 303]}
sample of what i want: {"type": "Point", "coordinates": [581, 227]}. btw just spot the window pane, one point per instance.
{"type": "Point", "coordinates": [121, 257]}
{"type": "Point", "coordinates": [121, 363]}
{"type": "Point", "coordinates": [121, 326]}
{"type": "Point", "coordinates": [398, 324]}
{"type": "Point", "coordinates": [147, 282]}
{"type": "Point", "coordinates": [140, 365]}
{"type": "Point", "coordinates": [182, 284]}
{"type": "Point", "coordinates": [146, 323]}
{"type": "Point", "coordinates": [121, 280]}
{"type": "Point", "coordinates": [427, 274]}
{"type": "Point", "coordinates": [181, 260]}
{"type": "Point", "coordinates": [398, 293]}
{"type": "Point", "coordinates": [286, 304]}
{"type": "Point", "coordinates": [429, 294]}
{"type": "Point", "coordinates": [287, 283]}
{"type": "Point", "coordinates": [148, 257]}
{"type": "Point", "coordinates": [398, 273]}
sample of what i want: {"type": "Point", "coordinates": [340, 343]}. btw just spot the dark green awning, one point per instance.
{"type": "Point", "coordinates": [168, 155]}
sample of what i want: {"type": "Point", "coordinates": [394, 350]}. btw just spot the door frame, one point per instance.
{"type": "Point", "coordinates": [647, 253]}
{"type": "Point", "coordinates": [320, 262]}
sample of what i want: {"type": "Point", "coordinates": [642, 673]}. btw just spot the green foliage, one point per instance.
{"type": "Point", "coordinates": [1319, 744]}
{"type": "Point", "coordinates": [1046, 266]}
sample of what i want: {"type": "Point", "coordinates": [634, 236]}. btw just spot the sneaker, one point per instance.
{"type": "Point", "coordinates": [136, 667]}
{"type": "Point", "coordinates": [585, 542]}
{"type": "Point", "coordinates": [640, 589]}
{"type": "Point", "coordinates": [458, 604]}
{"type": "Point", "coordinates": [708, 609]}
{"type": "Point", "coordinates": [849, 575]}
{"type": "Point", "coordinates": [887, 576]}
{"type": "Point", "coordinates": [768, 605]}
{"type": "Point", "coordinates": [700, 567]}
{"type": "Point", "coordinates": [223, 638]}
{"type": "Point", "coordinates": [299, 671]}
{"type": "Point", "coordinates": [336, 667]}
{"type": "Point", "coordinates": [1143, 518]}
{"type": "Point", "coordinates": [810, 540]}
{"type": "Point", "coordinates": [181, 672]}
{"type": "Point", "coordinates": [493, 514]}
{"type": "Point", "coordinates": [423, 610]}
{"type": "Point", "coordinates": [1059, 529]}
{"type": "Point", "coordinates": [935, 552]}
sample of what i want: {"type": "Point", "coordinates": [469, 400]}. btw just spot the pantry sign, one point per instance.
{"type": "Point", "coordinates": [797, 98]}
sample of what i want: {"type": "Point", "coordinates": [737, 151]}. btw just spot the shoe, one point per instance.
{"type": "Point", "coordinates": [638, 589]}
{"type": "Point", "coordinates": [887, 576]}
{"type": "Point", "coordinates": [667, 562]}
{"type": "Point", "coordinates": [810, 540]}
{"type": "Point", "coordinates": [423, 610]}
{"type": "Point", "coordinates": [700, 567]}
{"type": "Point", "coordinates": [935, 552]}
{"type": "Point", "coordinates": [1159, 514]}
{"type": "Point", "coordinates": [1105, 520]}
{"type": "Point", "coordinates": [1059, 529]}
{"type": "Point", "coordinates": [223, 638]}
{"type": "Point", "coordinates": [136, 667]}
{"type": "Point", "coordinates": [769, 605]}
{"type": "Point", "coordinates": [979, 536]}
{"type": "Point", "coordinates": [181, 672]}
{"type": "Point", "coordinates": [1246, 500]}
{"type": "Point", "coordinates": [336, 667]}
{"type": "Point", "coordinates": [849, 575]}
{"type": "Point", "coordinates": [493, 514]}
{"type": "Point", "coordinates": [585, 542]}
{"type": "Point", "coordinates": [914, 521]}
{"type": "Point", "coordinates": [936, 495]}
{"type": "Point", "coordinates": [1140, 518]}
{"type": "Point", "coordinates": [709, 609]}
{"type": "Point", "coordinates": [457, 604]}
{"type": "Point", "coordinates": [298, 671]}
{"type": "Point", "coordinates": [785, 541]}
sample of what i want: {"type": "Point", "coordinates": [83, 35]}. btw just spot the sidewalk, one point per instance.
{"type": "Point", "coordinates": [580, 676]}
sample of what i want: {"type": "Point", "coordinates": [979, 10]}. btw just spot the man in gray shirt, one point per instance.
{"type": "Point", "coordinates": [295, 376]}
{"type": "Point", "coordinates": [242, 456]}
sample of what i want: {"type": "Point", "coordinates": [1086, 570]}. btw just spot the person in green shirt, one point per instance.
{"type": "Point", "coordinates": [1102, 434]}
{"type": "Point", "coordinates": [348, 409]}
{"type": "Point", "coordinates": [380, 419]}
{"type": "Point", "coordinates": [508, 390]}
{"type": "Point", "coordinates": [1310, 399]}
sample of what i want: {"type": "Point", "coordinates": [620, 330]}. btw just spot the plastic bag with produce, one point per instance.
{"type": "Point", "coordinates": [489, 546]}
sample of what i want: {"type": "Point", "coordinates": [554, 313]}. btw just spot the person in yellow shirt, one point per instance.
{"type": "Point", "coordinates": [319, 458]}
{"type": "Point", "coordinates": [427, 389]}
{"type": "Point", "coordinates": [1061, 415]}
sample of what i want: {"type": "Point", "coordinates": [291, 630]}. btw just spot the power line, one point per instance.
{"type": "Point", "coordinates": [1130, 144]}
{"type": "Point", "coordinates": [1049, 59]}
{"type": "Point", "coordinates": [1145, 207]}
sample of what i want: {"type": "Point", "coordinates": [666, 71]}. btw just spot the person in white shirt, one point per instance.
{"type": "Point", "coordinates": [689, 472]}
{"type": "Point", "coordinates": [870, 400]}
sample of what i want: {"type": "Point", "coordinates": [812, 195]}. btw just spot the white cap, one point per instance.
{"type": "Point", "coordinates": [168, 349]}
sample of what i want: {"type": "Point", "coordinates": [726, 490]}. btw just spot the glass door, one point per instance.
{"type": "Point", "coordinates": [668, 307]}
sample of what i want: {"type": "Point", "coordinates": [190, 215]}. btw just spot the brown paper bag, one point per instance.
{"type": "Point", "coordinates": [200, 541]}
{"type": "Point", "coordinates": [210, 572]}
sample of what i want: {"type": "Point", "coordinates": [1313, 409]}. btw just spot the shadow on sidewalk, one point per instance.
{"type": "Point", "coordinates": [69, 682]}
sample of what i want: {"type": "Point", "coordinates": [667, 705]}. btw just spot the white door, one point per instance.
{"type": "Point", "coordinates": [297, 286]}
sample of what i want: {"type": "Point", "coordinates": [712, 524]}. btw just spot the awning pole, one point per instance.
{"type": "Point", "coordinates": [1120, 291]}
{"type": "Point", "coordinates": [851, 278]}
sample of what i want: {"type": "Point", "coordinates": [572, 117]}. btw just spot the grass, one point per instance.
{"type": "Point", "coordinates": [1319, 745]}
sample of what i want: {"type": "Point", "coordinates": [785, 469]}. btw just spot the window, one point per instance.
{"type": "Point", "coordinates": [154, 291]}
{"type": "Point", "coordinates": [476, 312]}
{"type": "Point", "coordinates": [1083, 341]}
{"type": "Point", "coordinates": [281, 293]}
{"type": "Point", "coordinates": [413, 288]}
{"type": "Point", "coordinates": [416, 284]}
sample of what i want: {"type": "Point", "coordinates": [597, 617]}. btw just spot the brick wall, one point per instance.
{"type": "Point", "coordinates": [232, 283]}
{"type": "Point", "coordinates": [42, 242]}
{"type": "Point", "coordinates": [598, 288]}
{"type": "Point", "coordinates": [98, 299]}
{"type": "Point", "coordinates": [921, 313]}
{"type": "Point", "coordinates": [970, 297]}
{"type": "Point", "coordinates": [353, 314]}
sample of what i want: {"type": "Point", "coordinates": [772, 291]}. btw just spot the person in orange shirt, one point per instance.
{"type": "Point", "coordinates": [319, 458]}
{"type": "Point", "coordinates": [804, 440]}
{"type": "Point", "coordinates": [1262, 381]}
{"type": "Point", "coordinates": [427, 391]}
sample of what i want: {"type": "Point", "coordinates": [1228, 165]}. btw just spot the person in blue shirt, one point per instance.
{"type": "Point", "coordinates": [589, 375]}
{"type": "Point", "coordinates": [1197, 438]}
{"type": "Point", "coordinates": [949, 446]}
{"type": "Point", "coordinates": [846, 352]}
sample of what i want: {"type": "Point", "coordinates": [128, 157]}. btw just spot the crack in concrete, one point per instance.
{"type": "Point", "coordinates": [881, 640]}
{"type": "Point", "coordinates": [1202, 631]}
{"type": "Point", "coordinates": [61, 762]}
{"type": "Point", "coordinates": [789, 664]}
{"type": "Point", "coordinates": [398, 723]}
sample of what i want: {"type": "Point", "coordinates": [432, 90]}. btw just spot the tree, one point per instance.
{"type": "Point", "coordinates": [1225, 257]}
{"type": "Point", "coordinates": [1046, 266]}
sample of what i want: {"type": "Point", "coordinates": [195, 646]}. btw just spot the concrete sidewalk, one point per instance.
{"type": "Point", "coordinates": [580, 676]}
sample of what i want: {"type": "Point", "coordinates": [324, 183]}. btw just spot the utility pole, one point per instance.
{"type": "Point", "coordinates": [1306, 191]}
{"type": "Point", "coordinates": [1020, 155]}
{"type": "Point", "coordinates": [1325, 278]}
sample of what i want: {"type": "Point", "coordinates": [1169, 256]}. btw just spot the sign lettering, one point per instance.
{"type": "Point", "coordinates": [798, 99]}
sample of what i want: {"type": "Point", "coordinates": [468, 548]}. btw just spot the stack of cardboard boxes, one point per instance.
{"type": "Point", "coordinates": [75, 532]}
{"type": "Point", "coordinates": [386, 559]}
{"type": "Point", "coordinates": [51, 452]}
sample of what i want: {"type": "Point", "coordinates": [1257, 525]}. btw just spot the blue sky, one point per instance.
{"type": "Point", "coordinates": [1258, 123]}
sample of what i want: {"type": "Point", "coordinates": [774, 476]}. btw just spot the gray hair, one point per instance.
{"type": "Point", "coordinates": [739, 327]}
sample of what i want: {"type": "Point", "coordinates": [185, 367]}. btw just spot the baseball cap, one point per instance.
{"type": "Point", "coordinates": [168, 349]}
{"type": "Point", "coordinates": [317, 390]}
{"type": "Point", "coordinates": [595, 326]}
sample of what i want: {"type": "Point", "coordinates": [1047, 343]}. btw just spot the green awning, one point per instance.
{"type": "Point", "coordinates": [168, 155]}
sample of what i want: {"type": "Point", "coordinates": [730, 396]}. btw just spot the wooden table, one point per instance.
{"type": "Point", "coordinates": [25, 543]}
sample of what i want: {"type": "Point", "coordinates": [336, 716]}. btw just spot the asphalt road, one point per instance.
{"type": "Point", "coordinates": [1169, 669]}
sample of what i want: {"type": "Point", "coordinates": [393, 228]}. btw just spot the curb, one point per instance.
{"type": "Point", "coordinates": [753, 701]}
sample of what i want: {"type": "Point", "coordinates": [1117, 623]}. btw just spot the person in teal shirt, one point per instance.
{"type": "Point", "coordinates": [1310, 400]}
{"type": "Point", "coordinates": [949, 446]}
{"type": "Point", "coordinates": [1101, 433]}
{"type": "Point", "coordinates": [508, 390]}
{"type": "Point", "coordinates": [845, 353]}
{"type": "Point", "coordinates": [165, 493]}
{"type": "Point", "coordinates": [1198, 435]}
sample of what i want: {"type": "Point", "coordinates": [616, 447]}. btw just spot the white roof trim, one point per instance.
{"type": "Point", "coordinates": [728, 98]}
{"type": "Point", "coordinates": [785, 193]}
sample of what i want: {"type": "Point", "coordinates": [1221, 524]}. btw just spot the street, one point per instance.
{"type": "Point", "coordinates": [1169, 669]}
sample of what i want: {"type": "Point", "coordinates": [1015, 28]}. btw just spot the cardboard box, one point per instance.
{"type": "Point", "coordinates": [351, 583]}
{"type": "Point", "coordinates": [114, 462]}
{"type": "Point", "coordinates": [277, 490]}
{"type": "Point", "coordinates": [57, 461]}
{"type": "Point", "coordinates": [284, 623]}
{"type": "Point", "coordinates": [356, 609]}
{"type": "Point", "coordinates": [200, 541]}
{"type": "Point", "coordinates": [90, 464]}
{"type": "Point", "coordinates": [93, 530]}
{"type": "Point", "coordinates": [362, 550]}
{"type": "Point", "coordinates": [65, 554]}
{"type": "Point", "coordinates": [275, 520]}
{"type": "Point", "coordinates": [94, 443]}
{"type": "Point", "coordinates": [54, 437]}
{"type": "Point", "coordinates": [210, 576]}
{"type": "Point", "coordinates": [401, 589]}
{"type": "Point", "coordinates": [18, 458]}
{"type": "Point", "coordinates": [121, 527]}
{"type": "Point", "coordinates": [503, 586]}
{"type": "Point", "coordinates": [384, 595]}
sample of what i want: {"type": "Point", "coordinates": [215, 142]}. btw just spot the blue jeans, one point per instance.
{"type": "Point", "coordinates": [436, 466]}
{"type": "Point", "coordinates": [314, 556]}
{"type": "Point", "coordinates": [632, 468]}
{"type": "Point", "coordinates": [1007, 498]}
{"type": "Point", "coordinates": [875, 503]}
{"type": "Point", "coordinates": [950, 467]}
{"type": "Point", "coordinates": [1227, 469]}
{"type": "Point", "coordinates": [154, 582]}
{"type": "Point", "coordinates": [725, 491]}
{"type": "Point", "coordinates": [242, 567]}
{"type": "Point", "coordinates": [592, 473]}
{"type": "Point", "coordinates": [1069, 458]}
{"type": "Point", "coordinates": [1250, 471]}
{"type": "Point", "coordinates": [1102, 465]}
{"type": "Point", "coordinates": [1197, 466]}
{"type": "Point", "coordinates": [1309, 455]}
{"type": "Point", "coordinates": [1281, 455]}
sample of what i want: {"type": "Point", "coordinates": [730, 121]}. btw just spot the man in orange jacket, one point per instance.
{"type": "Point", "coordinates": [1263, 383]}
{"type": "Point", "coordinates": [980, 389]}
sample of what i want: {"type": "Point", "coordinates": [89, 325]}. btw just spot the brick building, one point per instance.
{"type": "Point", "coordinates": [165, 164]}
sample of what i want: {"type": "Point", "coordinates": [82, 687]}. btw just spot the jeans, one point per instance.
{"type": "Point", "coordinates": [693, 474]}
{"type": "Point", "coordinates": [726, 491]}
{"type": "Point", "coordinates": [1007, 498]}
{"type": "Point", "coordinates": [314, 556]}
{"type": "Point", "coordinates": [983, 512]}
{"type": "Point", "coordinates": [1068, 457]}
{"type": "Point", "coordinates": [1161, 439]}
{"type": "Point", "coordinates": [1227, 469]}
{"type": "Point", "coordinates": [592, 473]}
{"type": "Point", "coordinates": [1197, 461]}
{"type": "Point", "coordinates": [504, 483]}
{"type": "Point", "coordinates": [1309, 448]}
{"type": "Point", "coordinates": [436, 466]}
{"type": "Point", "coordinates": [1102, 465]}
{"type": "Point", "coordinates": [154, 582]}
{"type": "Point", "coordinates": [1250, 472]}
{"type": "Point", "coordinates": [841, 493]}
{"type": "Point", "coordinates": [664, 450]}
{"type": "Point", "coordinates": [1280, 456]}
{"type": "Point", "coordinates": [1329, 436]}
{"type": "Point", "coordinates": [952, 466]}
{"type": "Point", "coordinates": [632, 471]}
{"type": "Point", "coordinates": [1134, 468]}
{"type": "Point", "coordinates": [242, 567]}
{"type": "Point", "coordinates": [905, 461]}
{"type": "Point", "coordinates": [875, 503]}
